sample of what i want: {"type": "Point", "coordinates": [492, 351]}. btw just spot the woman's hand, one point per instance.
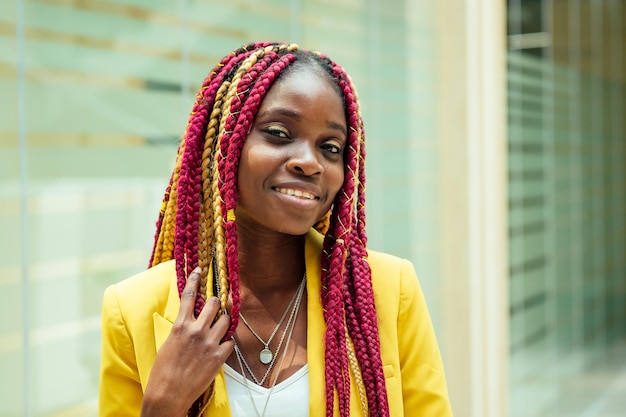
{"type": "Point", "coordinates": [190, 357]}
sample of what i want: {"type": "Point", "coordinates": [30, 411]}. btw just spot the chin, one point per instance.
{"type": "Point", "coordinates": [295, 230]}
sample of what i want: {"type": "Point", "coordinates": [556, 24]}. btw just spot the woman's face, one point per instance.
{"type": "Point", "coordinates": [292, 164]}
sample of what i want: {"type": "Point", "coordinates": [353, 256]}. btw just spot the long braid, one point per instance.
{"type": "Point", "coordinates": [333, 301]}
{"type": "Point", "coordinates": [164, 240]}
{"type": "Point", "coordinates": [197, 226]}
{"type": "Point", "coordinates": [207, 229]}
{"type": "Point", "coordinates": [168, 226]}
{"type": "Point", "coordinates": [228, 268]}
{"type": "Point", "coordinates": [157, 250]}
{"type": "Point", "coordinates": [227, 284]}
{"type": "Point", "coordinates": [363, 326]}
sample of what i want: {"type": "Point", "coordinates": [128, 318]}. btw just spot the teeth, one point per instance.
{"type": "Point", "coordinates": [296, 193]}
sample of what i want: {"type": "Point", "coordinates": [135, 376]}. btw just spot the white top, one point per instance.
{"type": "Point", "coordinates": [289, 398]}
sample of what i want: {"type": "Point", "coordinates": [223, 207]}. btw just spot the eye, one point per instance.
{"type": "Point", "coordinates": [277, 131]}
{"type": "Point", "coordinates": [332, 147]}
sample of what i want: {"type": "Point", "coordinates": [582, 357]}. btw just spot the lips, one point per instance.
{"type": "Point", "coordinates": [296, 193]}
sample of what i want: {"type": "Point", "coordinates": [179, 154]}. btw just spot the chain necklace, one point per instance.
{"type": "Point", "coordinates": [290, 324]}
{"type": "Point", "coordinates": [242, 361]}
{"type": "Point", "coordinates": [266, 356]}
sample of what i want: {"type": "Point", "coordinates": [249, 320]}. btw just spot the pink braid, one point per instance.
{"type": "Point", "coordinates": [365, 334]}
{"type": "Point", "coordinates": [336, 355]}
{"type": "Point", "coordinates": [337, 371]}
{"type": "Point", "coordinates": [186, 247]}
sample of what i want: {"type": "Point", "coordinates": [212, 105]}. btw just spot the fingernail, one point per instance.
{"type": "Point", "coordinates": [197, 270]}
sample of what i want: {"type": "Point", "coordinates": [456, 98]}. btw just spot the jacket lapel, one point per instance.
{"type": "Point", "coordinates": [163, 323]}
{"type": "Point", "coordinates": [315, 325]}
{"type": "Point", "coordinates": [162, 329]}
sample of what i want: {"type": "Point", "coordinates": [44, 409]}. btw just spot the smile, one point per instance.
{"type": "Point", "coordinates": [296, 193]}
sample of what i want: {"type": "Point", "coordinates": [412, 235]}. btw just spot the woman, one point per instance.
{"type": "Point", "coordinates": [261, 299]}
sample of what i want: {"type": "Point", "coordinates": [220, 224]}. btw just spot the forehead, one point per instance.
{"type": "Point", "coordinates": [304, 84]}
{"type": "Point", "coordinates": [312, 68]}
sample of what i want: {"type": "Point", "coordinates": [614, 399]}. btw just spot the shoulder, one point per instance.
{"type": "Point", "coordinates": [155, 277]}
{"type": "Point", "coordinates": [398, 294]}
{"type": "Point", "coordinates": [392, 274]}
{"type": "Point", "coordinates": [385, 261]}
{"type": "Point", "coordinates": [144, 293]}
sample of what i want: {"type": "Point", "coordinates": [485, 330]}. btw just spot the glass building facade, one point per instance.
{"type": "Point", "coordinates": [567, 248]}
{"type": "Point", "coordinates": [96, 94]}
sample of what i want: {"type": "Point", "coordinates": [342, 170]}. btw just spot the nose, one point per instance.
{"type": "Point", "coordinates": [305, 160]}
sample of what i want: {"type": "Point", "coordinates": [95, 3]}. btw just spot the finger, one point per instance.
{"type": "Point", "coordinates": [227, 347]}
{"type": "Point", "coordinates": [221, 325]}
{"type": "Point", "coordinates": [211, 307]}
{"type": "Point", "coordinates": [188, 296]}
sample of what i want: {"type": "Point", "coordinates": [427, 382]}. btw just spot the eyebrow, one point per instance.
{"type": "Point", "coordinates": [297, 116]}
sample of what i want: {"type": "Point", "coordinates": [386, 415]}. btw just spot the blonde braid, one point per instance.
{"type": "Point", "coordinates": [206, 232]}
{"type": "Point", "coordinates": [205, 228]}
{"type": "Point", "coordinates": [164, 249]}
{"type": "Point", "coordinates": [358, 377]}
{"type": "Point", "coordinates": [221, 110]}
{"type": "Point", "coordinates": [218, 220]}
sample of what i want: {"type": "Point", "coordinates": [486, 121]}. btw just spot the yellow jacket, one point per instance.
{"type": "Point", "coordinates": [137, 316]}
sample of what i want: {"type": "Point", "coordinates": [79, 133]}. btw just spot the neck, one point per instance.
{"type": "Point", "coordinates": [269, 263]}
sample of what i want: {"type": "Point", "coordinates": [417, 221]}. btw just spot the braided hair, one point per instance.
{"type": "Point", "coordinates": [196, 224]}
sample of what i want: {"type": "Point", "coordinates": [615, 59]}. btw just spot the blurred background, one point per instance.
{"type": "Point", "coordinates": [496, 163]}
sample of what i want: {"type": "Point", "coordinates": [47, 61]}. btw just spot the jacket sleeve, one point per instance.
{"type": "Point", "coordinates": [424, 387]}
{"type": "Point", "coordinates": [120, 392]}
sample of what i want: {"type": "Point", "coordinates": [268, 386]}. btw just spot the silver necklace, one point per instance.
{"type": "Point", "coordinates": [242, 361]}
{"type": "Point", "coordinates": [266, 355]}
{"type": "Point", "coordinates": [290, 323]}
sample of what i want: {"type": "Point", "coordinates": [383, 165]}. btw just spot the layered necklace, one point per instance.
{"type": "Point", "coordinates": [266, 356]}
{"type": "Point", "coordinates": [294, 306]}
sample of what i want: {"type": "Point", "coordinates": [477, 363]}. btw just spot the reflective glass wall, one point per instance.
{"type": "Point", "coordinates": [566, 86]}
{"type": "Point", "coordinates": [95, 95]}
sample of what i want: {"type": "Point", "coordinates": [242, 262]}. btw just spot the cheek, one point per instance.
{"type": "Point", "coordinates": [245, 179]}
{"type": "Point", "coordinates": [251, 164]}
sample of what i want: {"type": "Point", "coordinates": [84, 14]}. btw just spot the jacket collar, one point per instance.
{"type": "Point", "coordinates": [163, 323]}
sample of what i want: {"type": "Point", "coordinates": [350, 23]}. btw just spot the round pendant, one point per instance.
{"type": "Point", "coordinates": [266, 356]}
